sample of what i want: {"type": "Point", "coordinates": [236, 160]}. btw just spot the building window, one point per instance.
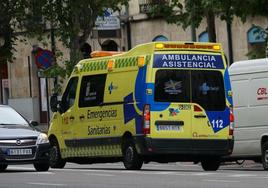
{"type": "Point", "coordinates": [203, 37]}
{"type": "Point", "coordinates": [256, 37]}
{"type": "Point", "coordinates": [109, 45]}
{"type": "Point", "coordinates": [160, 38]}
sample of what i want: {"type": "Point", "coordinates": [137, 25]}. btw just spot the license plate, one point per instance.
{"type": "Point", "coordinates": [168, 127]}
{"type": "Point", "coordinates": [20, 152]}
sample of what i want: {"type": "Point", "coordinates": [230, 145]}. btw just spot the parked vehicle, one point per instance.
{"type": "Point", "coordinates": [249, 81]}
{"type": "Point", "coordinates": [20, 142]}
{"type": "Point", "coordinates": [162, 101]}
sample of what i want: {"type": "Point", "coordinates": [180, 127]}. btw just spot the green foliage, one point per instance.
{"type": "Point", "coordinates": [191, 12]}
{"type": "Point", "coordinates": [73, 22]}
{"type": "Point", "coordinates": [11, 16]}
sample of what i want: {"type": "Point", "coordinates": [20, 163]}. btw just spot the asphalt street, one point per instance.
{"type": "Point", "coordinates": [152, 175]}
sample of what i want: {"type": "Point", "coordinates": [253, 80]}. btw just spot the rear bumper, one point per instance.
{"type": "Point", "coordinates": [183, 149]}
{"type": "Point", "coordinates": [41, 156]}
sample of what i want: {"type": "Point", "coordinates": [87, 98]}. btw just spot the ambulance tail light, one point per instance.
{"type": "Point", "coordinates": [146, 120]}
{"type": "Point", "coordinates": [197, 108]}
{"type": "Point", "coordinates": [231, 127]}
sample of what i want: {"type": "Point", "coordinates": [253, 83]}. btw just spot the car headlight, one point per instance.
{"type": "Point", "coordinates": [42, 139]}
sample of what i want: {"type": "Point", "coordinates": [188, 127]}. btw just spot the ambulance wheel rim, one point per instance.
{"type": "Point", "coordinates": [129, 154]}
{"type": "Point", "coordinates": [53, 154]}
{"type": "Point", "coordinates": [266, 156]}
{"type": "Point", "coordinates": [55, 159]}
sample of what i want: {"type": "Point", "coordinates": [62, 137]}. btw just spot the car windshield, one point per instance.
{"type": "Point", "coordinates": [9, 116]}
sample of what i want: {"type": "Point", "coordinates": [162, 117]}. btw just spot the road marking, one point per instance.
{"type": "Point", "coordinates": [107, 175]}
{"type": "Point", "coordinates": [46, 184]}
{"type": "Point", "coordinates": [139, 172]}
{"type": "Point", "coordinates": [242, 175]}
{"type": "Point", "coordinates": [221, 181]}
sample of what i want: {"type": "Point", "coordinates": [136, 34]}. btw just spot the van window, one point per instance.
{"type": "Point", "coordinates": [68, 96]}
{"type": "Point", "coordinates": [208, 90]}
{"type": "Point", "coordinates": [92, 90]}
{"type": "Point", "coordinates": [172, 86]}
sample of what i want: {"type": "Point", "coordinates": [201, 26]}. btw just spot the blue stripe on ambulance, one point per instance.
{"type": "Point", "coordinates": [130, 112]}
{"type": "Point", "coordinates": [227, 84]}
{"type": "Point", "coordinates": [216, 121]}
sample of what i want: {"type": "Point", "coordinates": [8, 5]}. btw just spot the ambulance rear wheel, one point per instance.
{"type": "Point", "coordinates": [55, 159]}
{"type": "Point", "coordinates": [131, 159]}
{"type": "Point", "coordinates": [265, 155]}
{"type": "Point", "coordinates": [211, 164]}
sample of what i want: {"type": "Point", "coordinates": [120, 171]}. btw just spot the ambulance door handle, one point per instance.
{"type": "Point", "coordinates": [200, 116]}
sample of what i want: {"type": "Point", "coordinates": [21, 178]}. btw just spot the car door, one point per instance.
{"type": "Point", "coordinates": [91, 126]}
{"type": "Point", "coordinates": [68, 112]}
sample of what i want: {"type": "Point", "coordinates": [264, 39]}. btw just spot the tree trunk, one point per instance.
{"type": "Point", "coordinates": [211, 25]}
{"type": "Point", "coordinates": [75, 53]}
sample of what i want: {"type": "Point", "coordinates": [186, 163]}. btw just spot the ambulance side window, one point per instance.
{"type": "Point", "coordinates": [68, 97]}
{"type": "Point", "coordinates": [92, 90]}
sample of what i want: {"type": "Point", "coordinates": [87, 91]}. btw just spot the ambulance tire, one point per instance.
{"type": "Point", "coordinates": [3, 167]}
{"type": "Point", "coordinates": [265, 155]}
{"type": "Point", "coordinates": [55, 159]}
{"type": "Point", "coordinates": [131, 159]}
{"type": "Point", "coordinates": [211, 164]}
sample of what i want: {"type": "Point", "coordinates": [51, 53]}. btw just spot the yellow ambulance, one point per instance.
{"type": "Point", "coordinates": [160, 101]}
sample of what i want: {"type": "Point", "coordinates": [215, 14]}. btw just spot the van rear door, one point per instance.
{"type": "Point", "coordinates": [189, 98]}
{"type": "Point", "coordinates": [210, 112]}
{"type": "Point", "coordinates": [171, 110]}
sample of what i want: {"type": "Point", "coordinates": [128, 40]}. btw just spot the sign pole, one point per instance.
{"type": "Point", "coordinates": [48, 114]}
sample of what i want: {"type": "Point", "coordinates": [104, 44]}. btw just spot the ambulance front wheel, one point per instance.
{"type": "Point", "coordinates": [211, 164]}
{"type": "Point", "coordinates": [265, 155]}
{"type": "Point", "coordinates": [55, 159]}
{"type": "Point", "coordinates": [131, 159]}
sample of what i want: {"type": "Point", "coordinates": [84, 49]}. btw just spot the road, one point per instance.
{"type": "Point", "coordinates": [152, 175]}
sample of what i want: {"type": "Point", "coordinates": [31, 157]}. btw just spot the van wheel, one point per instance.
{"type": "Point", "coordinates": [3, 167]}
{"type": "Point", "coordinates": [41, 167]}
{"type": "Point", "coordinates": [265, 155]}
{"type": "Point", "coordinates": [55, 159]}
{"type": "Point", "coordinates": [131, 159]}
{"type": "Point", "coordinates": [211, 164]}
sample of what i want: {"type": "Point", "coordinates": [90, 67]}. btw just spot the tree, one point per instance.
{"type": "Point", "coordinates": [73, 22]}
{"type": "Point", "coordinates": [191, 12]}
{"type": "Point", "coordinates": [12, 15]}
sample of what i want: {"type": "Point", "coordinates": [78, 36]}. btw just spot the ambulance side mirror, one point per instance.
{"type": "Point", "coordinates": [54, 103]}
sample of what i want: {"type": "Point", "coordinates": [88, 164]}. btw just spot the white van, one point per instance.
{"type": "Point", "coordinates": [249, 81]}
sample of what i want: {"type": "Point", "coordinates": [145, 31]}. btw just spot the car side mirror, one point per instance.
{"type": "Point", "coordinates": [54, 103]}
{"type": "Point", "coordinates": [34, 123]}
